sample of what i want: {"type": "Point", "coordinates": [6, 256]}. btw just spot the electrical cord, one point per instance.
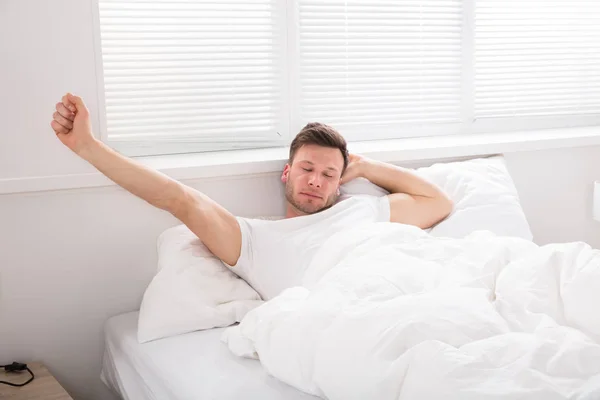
{"type": "Point", "coordinates": [17, 367]}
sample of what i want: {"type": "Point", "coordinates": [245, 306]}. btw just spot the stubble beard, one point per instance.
{"type": "Point", "coordinates": [305, 208]}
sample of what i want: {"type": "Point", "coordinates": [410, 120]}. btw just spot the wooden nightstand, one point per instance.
{"type": "Point", "coordinates": [44, 386]}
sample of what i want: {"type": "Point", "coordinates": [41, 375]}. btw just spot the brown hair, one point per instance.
{"type": "Point", "coordinates": [320, 135]}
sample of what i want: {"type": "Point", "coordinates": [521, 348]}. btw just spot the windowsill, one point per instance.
{"type": "Point", "coordinates": [261, 161]}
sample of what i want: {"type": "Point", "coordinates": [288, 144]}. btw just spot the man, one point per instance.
{"type": "Point", "coordinates": [269, 255]}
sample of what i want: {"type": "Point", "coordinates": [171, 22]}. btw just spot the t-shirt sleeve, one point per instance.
{"type": "Point", "coordinates": [380, 206]}
{"type": "Point", "coordinates": [244, 263]}
{"type": "Point", "coordinates": [382, 209]}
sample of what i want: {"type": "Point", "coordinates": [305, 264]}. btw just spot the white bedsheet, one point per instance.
{"type": "Point", "coordinates": [186, 367]}
{"type": "Point", "coordinates": [390, 312]}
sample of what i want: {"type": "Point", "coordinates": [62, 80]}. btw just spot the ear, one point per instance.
{"type": "Point", "coordinates": [285, 174]}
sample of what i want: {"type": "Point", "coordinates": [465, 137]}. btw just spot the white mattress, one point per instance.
{"type": "Point", "coordinates": [192, 366]}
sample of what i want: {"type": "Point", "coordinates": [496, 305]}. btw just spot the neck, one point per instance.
{"type": "Point", "coordinates": [292, 212]}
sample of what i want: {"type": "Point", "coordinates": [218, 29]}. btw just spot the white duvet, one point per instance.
{"type": "Point", "coordinates": [390, 312]}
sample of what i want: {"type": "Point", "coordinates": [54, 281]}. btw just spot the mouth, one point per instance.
{"type": "Point", "coordinates": [311, 195]}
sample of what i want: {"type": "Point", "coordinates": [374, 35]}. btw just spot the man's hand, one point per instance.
{"type": "Point", "coordinates": [71, 123]}
{"type": "Point", "coordinates": [355, 168]}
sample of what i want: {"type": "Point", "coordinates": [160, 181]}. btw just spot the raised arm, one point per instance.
{"type": "Point", "coordinates": [216, 227]}
{"type": "Point", "coordinates": [413, 199]}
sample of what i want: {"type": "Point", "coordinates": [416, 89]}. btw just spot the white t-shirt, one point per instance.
{"type": "Point", "coordinates": [275, 253]}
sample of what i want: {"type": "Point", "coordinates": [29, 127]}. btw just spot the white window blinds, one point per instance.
{"type": "Point", "coordinates": [193, 71]}
{"type": "Point", "coordinates": [537, 58]}
{"type": "Point", "coordinates": [367, 65]}
{"type": "Point", "coordinates": [201, 75]}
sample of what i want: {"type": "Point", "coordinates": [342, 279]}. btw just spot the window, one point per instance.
{"type": "Point", "coordinates": [202, 75]}
{"type": "Point", "coordinates": [537, 62]}
{"type": "Point", "coordinates": [378, 69]}
{"type": "Point", "coordinates": [193, 75]}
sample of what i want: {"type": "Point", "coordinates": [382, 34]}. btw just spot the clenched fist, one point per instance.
{"type": "Point", "coordinates": [71, 123]}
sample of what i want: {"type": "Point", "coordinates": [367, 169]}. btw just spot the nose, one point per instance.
{"type": "Point", "coordinates": [314, 181]}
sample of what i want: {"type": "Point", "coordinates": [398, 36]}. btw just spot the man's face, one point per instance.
{"type": "Point", "coordinates": [313, 179]}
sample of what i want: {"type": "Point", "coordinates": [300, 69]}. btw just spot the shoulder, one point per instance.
{"type": "Point", "coordinates": [254, 227]}
{"type": "Point", "coordinates": [363, 199]}
{"type": "Point", "coordinates": [378, 205]}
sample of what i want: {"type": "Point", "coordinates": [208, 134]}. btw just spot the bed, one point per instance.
{"type": "Point", "coordinates": [384, 310]}
{"type": "Point", "coordinates": [195, 366]}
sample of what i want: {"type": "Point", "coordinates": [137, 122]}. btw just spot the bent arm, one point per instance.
{"type": "Point", "coordinates": [413, 199]}
{"type": "Point", "coordinates": [216, 227]}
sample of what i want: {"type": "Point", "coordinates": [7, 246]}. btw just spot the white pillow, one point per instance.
{"type": "Point", "coordinates": [192, 290]}
{"type": "Point", "coordinates": [483, 192]}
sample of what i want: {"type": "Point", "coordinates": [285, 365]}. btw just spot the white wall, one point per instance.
{"type": "Point", "coordinates": [45, 50]}
{"type": "Point", "coordinates": [70, 259]}
{"type": "Point", "coordinates": [556, 190]}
